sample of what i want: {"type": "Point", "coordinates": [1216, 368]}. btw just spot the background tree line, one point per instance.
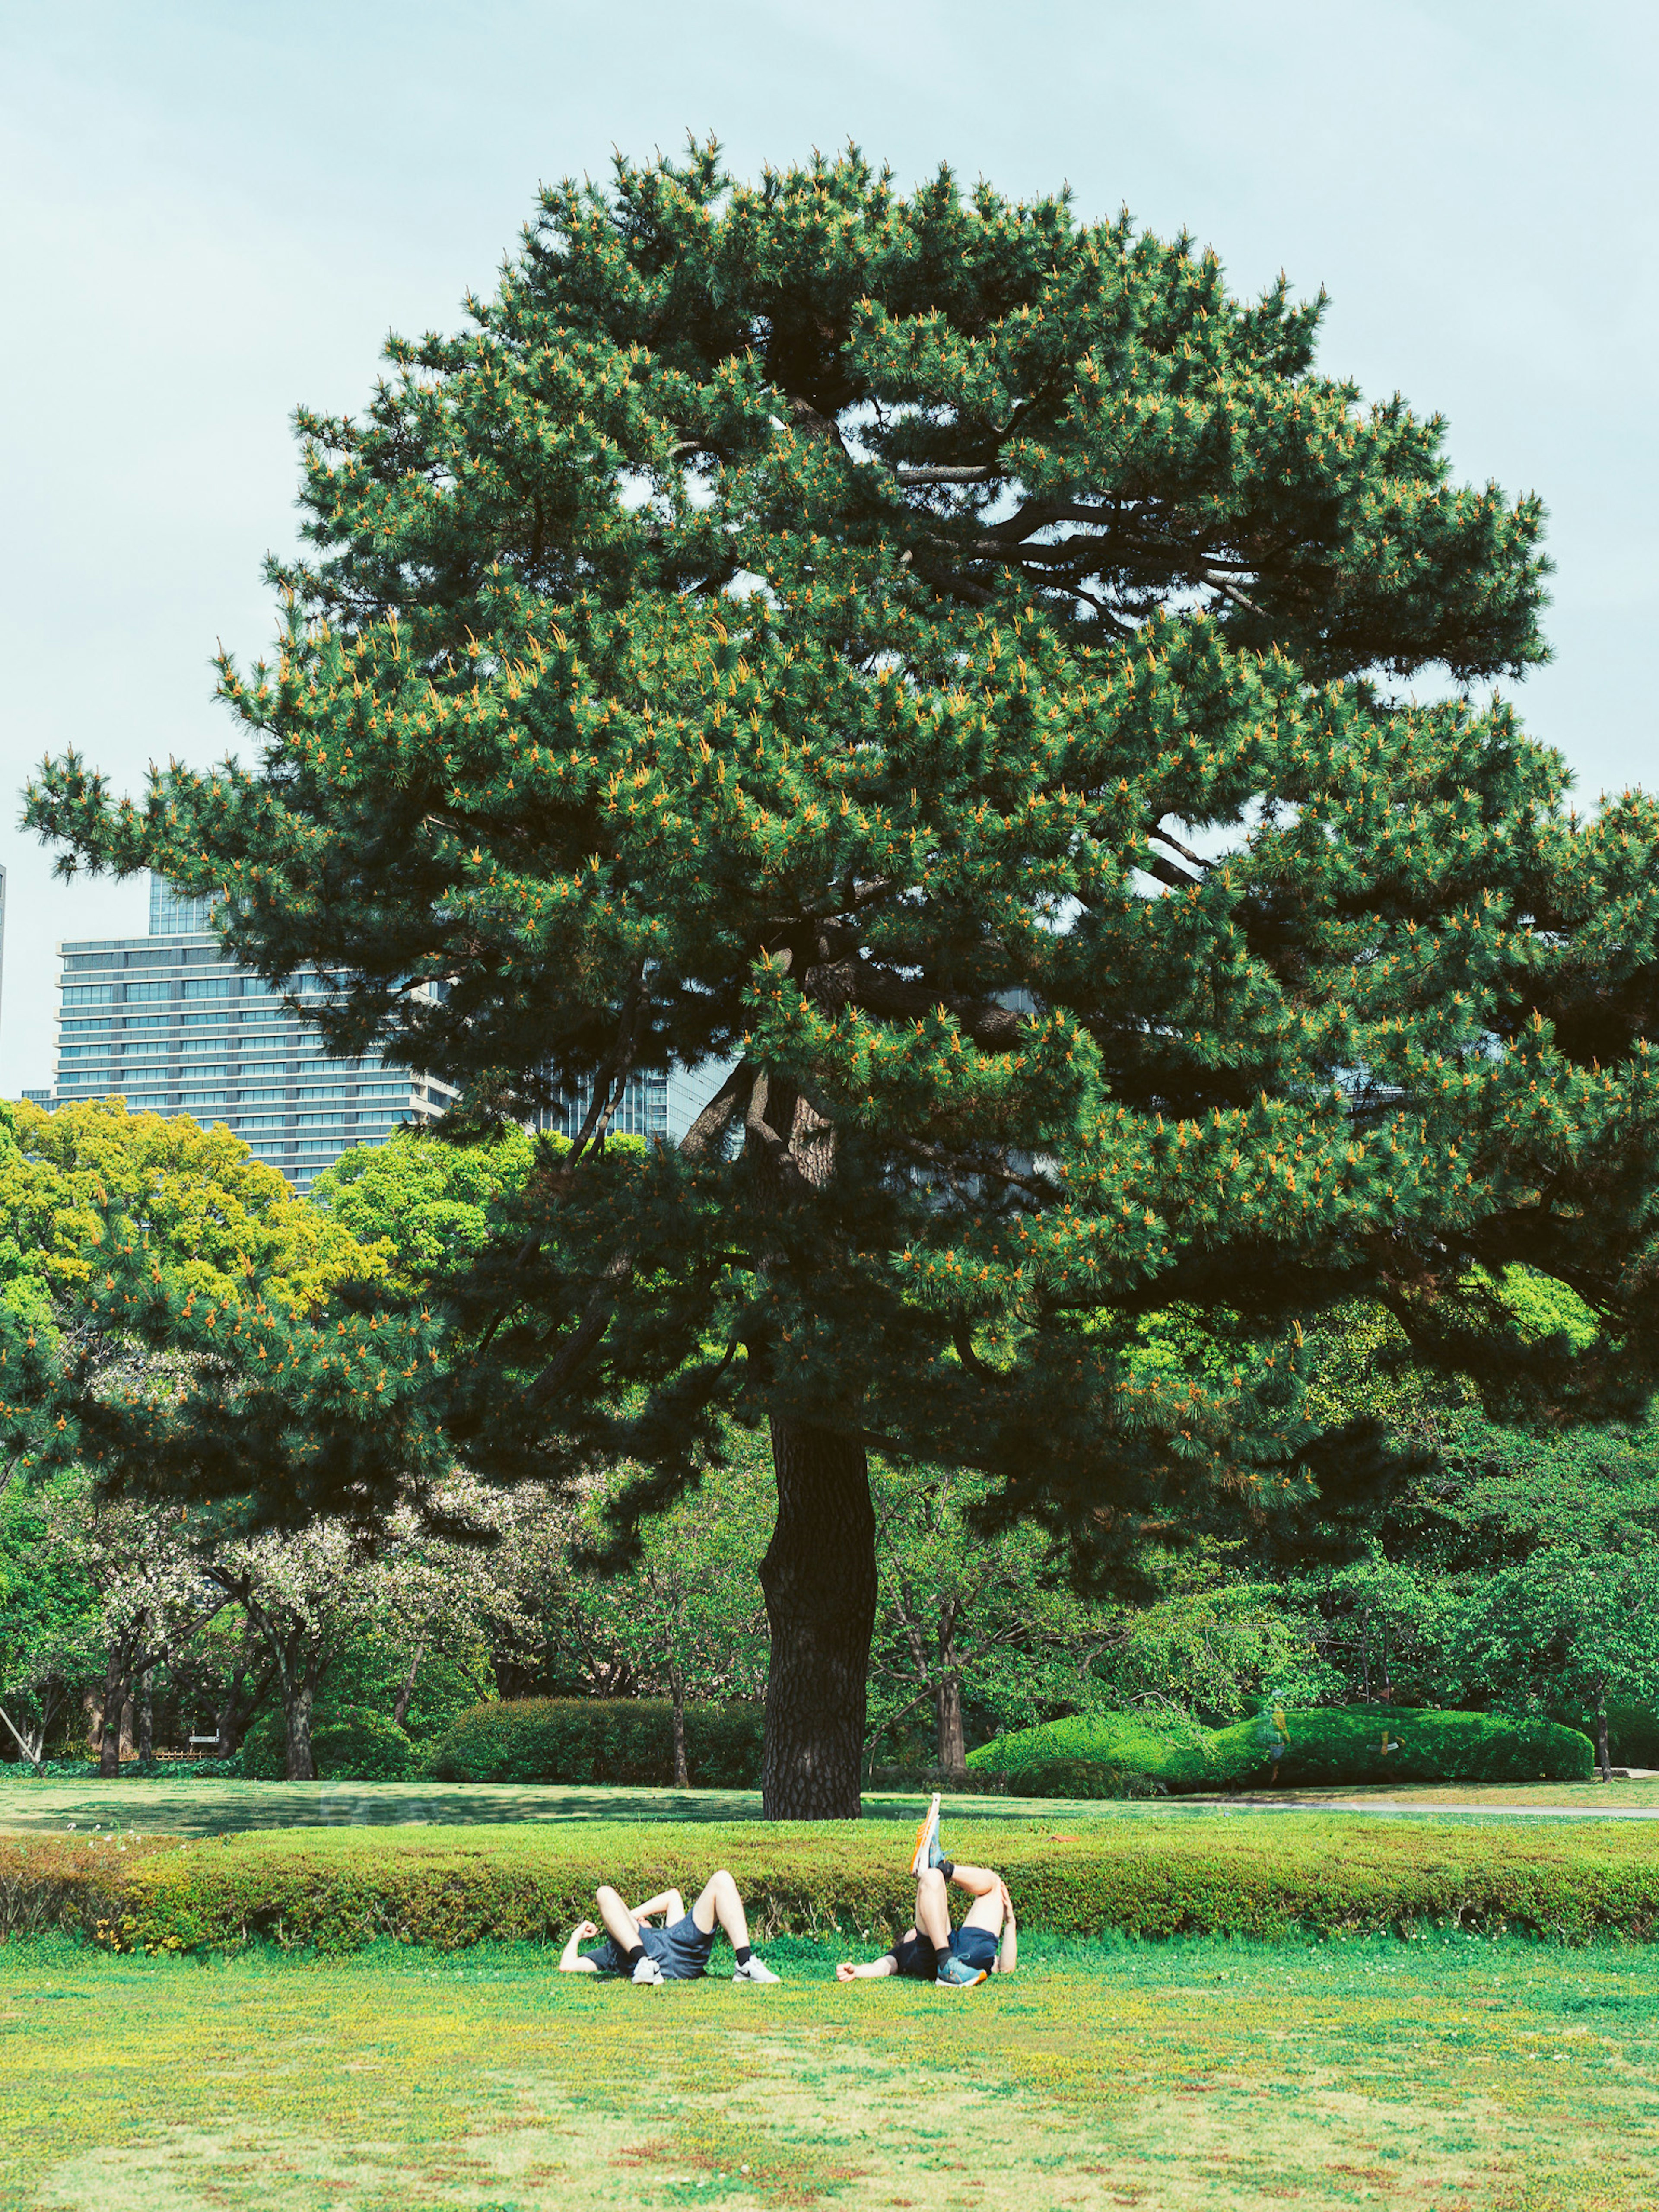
{"type": "Point", "coordinates": [1505, 1564]}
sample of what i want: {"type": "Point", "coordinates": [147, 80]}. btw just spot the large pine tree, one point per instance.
{"type": "Point", "coordinates": [946, 659]}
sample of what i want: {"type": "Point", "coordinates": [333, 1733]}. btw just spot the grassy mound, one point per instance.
{"type": "Point", "coordinates": [1289, 1875]}
{"type": "Point", "coordinates": [1132, 1754]}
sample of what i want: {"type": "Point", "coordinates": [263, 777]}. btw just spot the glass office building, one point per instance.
{"type": "Point", "coordinates": [167, 1023]}
{"type": "Point", "coordinates": [661, 1105]}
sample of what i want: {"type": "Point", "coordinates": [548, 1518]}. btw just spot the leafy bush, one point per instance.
{"type": "Point", "coordinates": [1130, 1755]}
{"type": "Point", "coordinates": [265, 1747]}
{"type": "Point", "coordinates": [1143, 1753]}
{"type": "Point", "coordinates": [349, 1743]}
{"type": "Point", "coordinates": [1346, 1745]}
{"type": "Point", "coordinates": [362, 1747]}
{"type": "Point", "coordinates": [1289, 1875]}
{"type": "Point", "coordinates": [233, 1769]}
{"type": "Point", "coordinates": [608, 1740]}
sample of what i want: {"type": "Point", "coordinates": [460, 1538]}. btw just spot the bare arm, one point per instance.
{"type": "Point", "coordinates": [670, 1906]}
{"type": "Point", "coordinates": [570, 1959]}
{"type": "Point", "coordinates": [873, 1971]}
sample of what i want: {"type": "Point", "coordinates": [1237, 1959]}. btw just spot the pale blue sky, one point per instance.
{"type": "Point", "coordinates": [214, 211]}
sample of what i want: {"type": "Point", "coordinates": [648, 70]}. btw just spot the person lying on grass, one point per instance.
{"type": "Point", "coordinates": [931, 1951]}
{"type": "Point", "coordinates": [678, 1950]}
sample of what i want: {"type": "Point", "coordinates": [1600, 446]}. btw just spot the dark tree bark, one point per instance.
{"type": "Point", "coordinates": [118, 1675]}
{"type": "Point", "coordinates": [404, 1697]}
{"type": "Point", "coordinates": [1603, 1756]}
{"type": "Point", "coordinates": [819, 1579]}
{"type": "Point", "coordinates": [676, 1699]}
{"type": "Point", "coordinates": [952, 1746]}
{"type": "Point", "coordinates": [296, 1714]}
{"type": "Point", "coordinates": [147, 1716]}
{"type": "Point", "coordinates": [244, 1693]}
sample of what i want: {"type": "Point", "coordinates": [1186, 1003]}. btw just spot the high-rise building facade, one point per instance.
{"type": "Point", "coordinates": [173, 1027]}
{"type": "Point", "coordinates": [653, 1104]}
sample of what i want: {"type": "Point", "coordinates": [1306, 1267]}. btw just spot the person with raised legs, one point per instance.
{"type": "Point", "coordinates": [677, 1951]}
{"type": "Point", "coordinates": [987, 1943]}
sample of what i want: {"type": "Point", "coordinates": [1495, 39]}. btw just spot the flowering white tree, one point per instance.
{"type": "Point", "coordinates": [151, 1590]}
{"type": "Point", "coordinates": [304, 1593]}
{"type": "Point", "coordinates": [445, 1594]}
{"type": "Point", "coordinates": [307, 1593]}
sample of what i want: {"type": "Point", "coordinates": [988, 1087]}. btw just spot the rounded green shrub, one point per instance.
{"type": "Point", "coordinates": [265, 1748]}
{"type": "Point", "coordinates": [362, 1746]}
{"type": "Point", "coordinates": [600, 1739]}
{"type": "Point", "coordinates": [1353, 1744]}
{"type": "Point", "coordinates": [1330, 1746]}
{"type": "Point", "coordinates": [1129, 1754]}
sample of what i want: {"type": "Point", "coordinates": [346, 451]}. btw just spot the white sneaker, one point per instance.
{"type": "Point", "coordinates": [754, 1970]}
{"type": "Point", "coordinates": [647, 1975]}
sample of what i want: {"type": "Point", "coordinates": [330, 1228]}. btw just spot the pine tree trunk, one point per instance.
{"type": "Point", "coordinates": [296, 1712]}
{"type": "Point", "coordinates": [952, 1746]}
{"type": "Point", "coordinates": [819, 1579]}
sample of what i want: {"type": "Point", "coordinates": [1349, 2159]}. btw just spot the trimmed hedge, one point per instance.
{"type": "Point", "coordinates": [1135, 1754]}
{"type": "Point", "coordinates": [1274, 1876]}
{"type": "Point", "coordinates": [1346, 1745]}
{"type": "Point", "coordinates": [363, 1745]}
{"type": "Point", "coordinates": [614, 1739]}
{"type": "Point", "coordinates": [1129, 1754]}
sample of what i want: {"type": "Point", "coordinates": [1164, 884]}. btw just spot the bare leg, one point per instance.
{"type": "Point", "coordinates": [932, 1908]}
{"type": "Point", "coordinates": [719, 1901]}
{"type": "Point", "coordinates": [620, 1925]}
{"type": "Point", "coordinates": [985, 1887]}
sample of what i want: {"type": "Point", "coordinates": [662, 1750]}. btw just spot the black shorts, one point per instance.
{"type": "Point", "coordinates": [681, 1950]}
{"type": "Point", "coordinates": [916, 1957]}
{"type": "Point", "coordinates": [919, 1962]}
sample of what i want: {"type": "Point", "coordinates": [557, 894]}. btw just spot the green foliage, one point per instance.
{"type": "Point", "coordinates": [1633, 1733]}
{"type": "Point", "coordinates": [363, 1745]}
{"type": "Point", "coordinates": [1109, 1755]}
{"type": "Point", "coordinates": [975, 1621]}
{"type": "Point", "coordinates": [1129, 1754]}
{"type": "Point", "coordinates": [681, 1613]}
{"type": "Point", "coordinates": [75, 1183]}
{"type": "Point", "coordinates": [1391, 1744]}
{"type": "Point", "coordinates": [800, 623]}
{"type": "Point", "coordinates": [1282, 1878]}
{"type": "Point", "coordinates": [1568, 1626]}
{"type": "Point", "coordinates": [427, 1205]}
{"type": "Point", "coordinates": [1218, 1652]}
{"type": "Point", "coordinates": [600, 1739]}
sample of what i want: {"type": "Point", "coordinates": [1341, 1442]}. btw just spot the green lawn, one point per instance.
{"type": "Point", "coordinates": [207, 1809]}
{"type": "Point", "coordinates": [1191, 2075]}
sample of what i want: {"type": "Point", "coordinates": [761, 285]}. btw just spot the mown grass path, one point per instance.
{"type": "Point", "coordinates": [211, 1808]}
{"type": "Point", "coordinates": [1198, 2076]}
